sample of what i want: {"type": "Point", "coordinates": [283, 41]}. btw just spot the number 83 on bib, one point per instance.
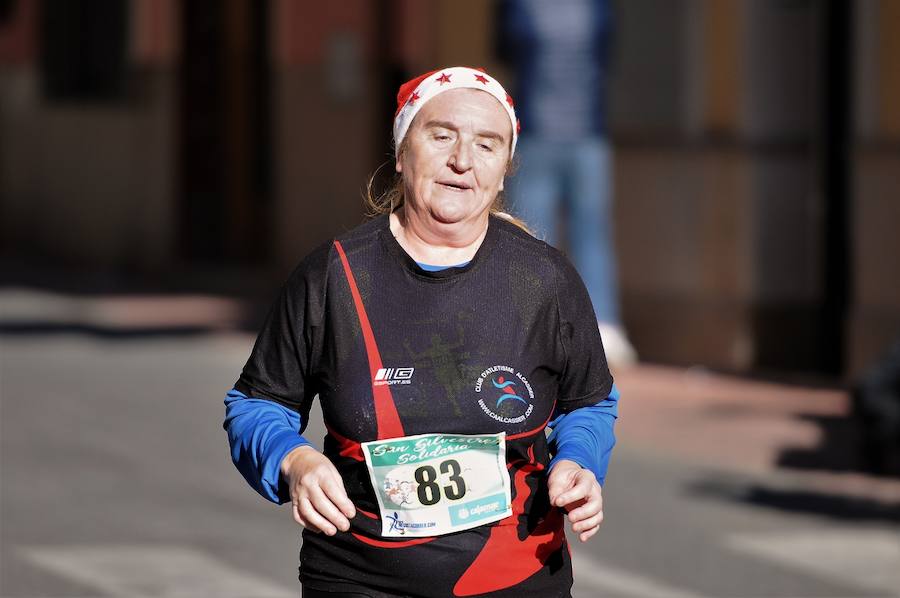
{"type": "Point", "coordinates": [434, 484]}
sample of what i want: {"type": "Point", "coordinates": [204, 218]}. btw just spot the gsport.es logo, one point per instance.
{"type": "Point", "coordinates": [506, 395]}
{"type": "Point", "coordinates": [392, 376]}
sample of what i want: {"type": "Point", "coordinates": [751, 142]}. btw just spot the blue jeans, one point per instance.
{"type": "Point", "coordinates": [571, 179]}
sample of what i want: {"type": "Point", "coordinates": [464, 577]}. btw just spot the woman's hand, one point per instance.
{"type": "Point", "coordinates": [319, 500]}
{"type": "Point", "coordinates": [576, 490]}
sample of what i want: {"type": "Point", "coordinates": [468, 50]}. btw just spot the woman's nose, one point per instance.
{"type": "Point", "coordinates": [461, 157]}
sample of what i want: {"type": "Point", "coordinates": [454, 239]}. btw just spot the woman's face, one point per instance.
{"type": "Point", "coordinates": [456, 154]}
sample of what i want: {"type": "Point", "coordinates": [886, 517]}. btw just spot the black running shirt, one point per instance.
{"type": "Point", "coordinates": [393, 350]}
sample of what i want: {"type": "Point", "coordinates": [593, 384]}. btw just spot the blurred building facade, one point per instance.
{"type": "Point", "coordinates": [757, 151]}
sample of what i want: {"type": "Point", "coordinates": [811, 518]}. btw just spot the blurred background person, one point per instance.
{"type": "Point", "coordinates": [560, 52]}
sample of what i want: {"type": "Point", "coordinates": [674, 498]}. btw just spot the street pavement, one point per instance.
{"type": "Point", "coordinates": [115, 478]}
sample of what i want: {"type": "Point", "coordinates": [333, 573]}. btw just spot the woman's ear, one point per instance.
{"type": "Point", "coordinates": [398, 161]}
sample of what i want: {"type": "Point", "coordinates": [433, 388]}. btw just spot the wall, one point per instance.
{"type": "Point", "coordinates": [82, 182]}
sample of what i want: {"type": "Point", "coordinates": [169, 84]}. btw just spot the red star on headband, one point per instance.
{"type": "Point", "coordinates": [509, 101]}
{"type": "Point", "coordinates": [444, 78]}
{"type": "Point", "coordinates": [413, 98]}
{"type": "Point", "coordinates": [481, 79]}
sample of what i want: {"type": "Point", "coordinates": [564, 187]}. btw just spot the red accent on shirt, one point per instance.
{"type": "Point", "coordinates": [384, 544]}
{"type": "Point", "coordinates": [505, 560]}
{"type": "Point", "coordinates": [348, 448]}
{"type": "Point", "coordinates": [533, 431]}
{"type": "Point", "coordinates": [386, 416]}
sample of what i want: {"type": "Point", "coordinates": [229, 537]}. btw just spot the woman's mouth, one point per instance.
{"type": "Point", "coordinates": [455, 187]}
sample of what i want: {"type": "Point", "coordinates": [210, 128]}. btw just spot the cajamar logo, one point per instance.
{"type": "Point", "coordinates": [503, 398]}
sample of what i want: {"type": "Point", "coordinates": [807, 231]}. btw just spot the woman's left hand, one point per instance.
{"type": "Point", "coordinates": [576, 490]}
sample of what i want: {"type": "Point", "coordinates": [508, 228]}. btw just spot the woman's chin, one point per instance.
{"type": "Point", "coordinates": [449, 216]}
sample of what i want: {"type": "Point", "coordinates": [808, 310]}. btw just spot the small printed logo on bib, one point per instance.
{"type": "Point", "coordinates": [401, 527]}
{"type": "Point", "coordinates": [506, 395]}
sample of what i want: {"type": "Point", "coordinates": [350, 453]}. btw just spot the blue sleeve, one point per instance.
{"type": "Point", "coordinates": [585, 435]}
{"type": "Point", "coordinates": [261, 433]}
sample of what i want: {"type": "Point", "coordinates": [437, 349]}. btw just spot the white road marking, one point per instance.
{"type": "Point", "coordinates": [594, 578]}
{"type": "Point", "coordinates": [153, 572]}
{"type": "Point", "coordinates": [867, 559]}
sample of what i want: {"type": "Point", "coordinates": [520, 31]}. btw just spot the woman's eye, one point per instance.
{"type": "Point", "coordinates": [442, 137]}
{"type": "Point", "coordinates": [485, 147]}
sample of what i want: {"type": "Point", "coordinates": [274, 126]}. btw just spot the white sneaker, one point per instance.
{"type": "Point", "coordinates": [619, 352]}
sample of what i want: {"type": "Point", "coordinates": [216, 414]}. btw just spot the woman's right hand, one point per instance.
{"type": "Point", "coordinates": [319, 500]}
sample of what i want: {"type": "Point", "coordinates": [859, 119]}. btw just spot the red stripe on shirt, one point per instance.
{"type": "Point", "coordinates": [386, 416]}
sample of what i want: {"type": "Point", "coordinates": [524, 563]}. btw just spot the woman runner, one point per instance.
{"type": "Point", "coordinates": [441, 339]}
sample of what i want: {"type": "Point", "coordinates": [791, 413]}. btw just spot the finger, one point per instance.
{"type": "Point", "coordinates": [559, 482]}
{"type": "Point", "coordinates": [334, 489]}
{"type": "Point", "coordinates": [581, 510]}
{"type": "Point", "coordinates": [584, 512]}
{"type": "Point", "coordinates": [556, 493]}
{"type": "Point", "coordinates": [314, 520]}
{"type": "Point", "coordinates": [588, 523]}
{"type": "Point", "coordinates": [298, 518]}
{"type": "Point", "coordinates": [577, 493]}
{"type": "Point", "coordinates": [585, 536]}
{"type": "Point", "coordinates": [327, 509]}
{"type": "Point", "coordinates": [584, 486]}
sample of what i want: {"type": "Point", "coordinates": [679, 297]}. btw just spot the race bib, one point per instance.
{"type": "Point", "coordinates": [433, 484]}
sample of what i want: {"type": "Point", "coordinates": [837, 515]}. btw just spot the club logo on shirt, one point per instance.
{"type": "Point", "coordinates": [392, 376]}
{"type": "Point", "coordinates": [506, 394]}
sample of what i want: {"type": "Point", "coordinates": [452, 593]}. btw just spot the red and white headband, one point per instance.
{"type": "Point", "coordinates": [413, 95]}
